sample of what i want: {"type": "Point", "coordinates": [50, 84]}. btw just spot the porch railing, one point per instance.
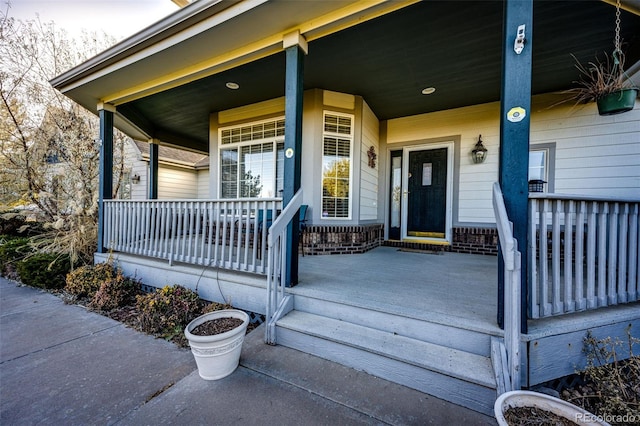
{"type": "Point", "coordinates": [228, 234]}
{"type": "Point", "coordinates": [506, 356]}
{"type": "Point", "coordinates": [277, 303]}
{"type": "Point", "coordinates": [583, 253]}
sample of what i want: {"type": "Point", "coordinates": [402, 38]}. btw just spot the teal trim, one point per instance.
{"type": "Point", "coordinates": [293, 151]}
{"type": "Point", "coordinates": [105, 176]}
{"type": "Point", "coordinates": [154, 152]}
{"type": "Point", "coordinates": [514, 135]}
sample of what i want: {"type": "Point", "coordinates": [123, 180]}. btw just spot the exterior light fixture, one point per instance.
{"type": "Point", "coordinates": [479, 152]}
{"type": "Point", "coordinates": [135, 179]}
{"type": "Point", "coordinates": [233, 86]}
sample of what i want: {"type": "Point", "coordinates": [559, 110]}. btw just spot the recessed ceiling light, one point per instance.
{"type": "Point", "coordinates": [428, 90]}
{"type": "Point", "coordinates": [233, 86]}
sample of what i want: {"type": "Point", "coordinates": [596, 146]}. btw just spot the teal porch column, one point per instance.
{"type": "Point", "coordinates": [295, 49]}
{"type": "Point", "coordinates": [154, 152]}
{"type": "Point", "coordinates": [515, 114]}
{"type": "Point", "coordinates": [105, 167]}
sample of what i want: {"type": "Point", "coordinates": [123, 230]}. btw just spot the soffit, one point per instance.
{"type": "Point", "coordinates": [455, 46]}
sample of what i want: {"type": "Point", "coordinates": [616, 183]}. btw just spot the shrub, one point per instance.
{"type": "Point", "coordinates": [15, 223]}
{"type": "Point", "coordinates": [215, 306]}
{"type": "Point", "coordinates": [12, 250]}
{"type": "Point", "coordinates": [168, 310]}
{"type": "Point", "coordinates": [115, 292]}
{"type": "Point", "coordinates": [612, 384]}
{"type": "Point", "coordinates": [86, 280]}
{"type": "Point", "coordinates": [44, 270]}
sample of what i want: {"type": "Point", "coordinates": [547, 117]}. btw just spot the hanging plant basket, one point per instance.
{"type": "Point", "coordinates": [617, 102]}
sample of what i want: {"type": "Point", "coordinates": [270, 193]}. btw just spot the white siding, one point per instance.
{"type": "Point", "coordinates": [594, 155]}
{"type": "Point", "coordinates": [368, 175]}
{"type": "Point", "coordinates": [203, 184]}
{"type": "Point", "coordinates": [177, 183]}
{"type": "Point", "coordinates": [474, 187]}
{"type": "Point", "coordinates": [137, 166]}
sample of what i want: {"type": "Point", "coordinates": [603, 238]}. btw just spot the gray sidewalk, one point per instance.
{"type": "Point", "coordinates": [60, 364]}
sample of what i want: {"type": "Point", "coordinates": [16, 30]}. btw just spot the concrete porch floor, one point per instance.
{"type": "Point", "coordinates": [450, 288]}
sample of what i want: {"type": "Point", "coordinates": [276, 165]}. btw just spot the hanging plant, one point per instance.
{"type": "Point", "coordinates": [605, 81]}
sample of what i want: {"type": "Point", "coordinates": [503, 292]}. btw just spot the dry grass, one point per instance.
{"type": "Point", "coordinates": [598, 78]}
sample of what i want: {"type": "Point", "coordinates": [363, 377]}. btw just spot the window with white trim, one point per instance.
{"type": "Point", "coordinates": [337, 143]}
{"type": "Point", "coordinates": [542, 164]}
{"type": "Point", "coordinates": [252, 160]}
{"type": "Point", "coordinates": [538, 164]}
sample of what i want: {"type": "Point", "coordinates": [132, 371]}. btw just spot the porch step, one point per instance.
{"type": "Point", "coordinates": [450, 374]}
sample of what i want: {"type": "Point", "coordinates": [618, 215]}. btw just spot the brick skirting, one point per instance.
{"type": "Point", "coordinates": [321, 239]}
{"type": "Point", "coordinates": [475, 240]}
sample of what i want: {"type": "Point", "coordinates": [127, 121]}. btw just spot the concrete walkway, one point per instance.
{"type": "Point", "coordinates": [60, 364]}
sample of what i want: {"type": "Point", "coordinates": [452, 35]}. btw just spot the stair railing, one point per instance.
{"type": "Point", "coordinates": [276, 266]}
{"type": "Point", "coordinates": [512, 291]}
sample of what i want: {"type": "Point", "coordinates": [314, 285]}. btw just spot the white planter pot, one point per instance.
{"type": "Point", "coordinates": [544, 402]}
{"type": "Point", "coordinates": [217, 356]}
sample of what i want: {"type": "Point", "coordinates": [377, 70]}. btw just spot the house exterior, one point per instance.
{"type": "Point", "coordinates": [181, 174]}
{"type": "Point", "coordinates": [369, 113]}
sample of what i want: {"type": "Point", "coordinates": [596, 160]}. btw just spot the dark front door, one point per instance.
{"type": "Point", "coordinates": [427, 193]}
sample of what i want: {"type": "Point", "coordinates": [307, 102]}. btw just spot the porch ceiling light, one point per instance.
{"type": "Point", "coordinates": [479, 152]}
{"type": "Point", "coordinates": [428, 90]}
{"type": "Point", "coordinates": [232, 85]}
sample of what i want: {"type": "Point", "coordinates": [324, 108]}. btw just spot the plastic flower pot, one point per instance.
{"type": "Point", "coordinates": [217, 355]}
{"type": "Point", "coordinates": [617, 102]}
{"type": "Point", "coordinates": [544, 402]}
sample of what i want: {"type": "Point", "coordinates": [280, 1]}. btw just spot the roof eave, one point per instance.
{"type": "Point", "coordinates": [163, 29]}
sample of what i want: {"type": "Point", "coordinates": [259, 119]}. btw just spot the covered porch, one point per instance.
{"type": "Point", "coordinates": [328, 83]}
{"type": "Point", "coordinates": [451, 288]}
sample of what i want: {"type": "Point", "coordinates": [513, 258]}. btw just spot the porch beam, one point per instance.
{"type": "Point", "coordinates": [105, 167]}
{"type": "Point", "coordinates": [295, 50]}
{"type": "Point", "coordinates": [515, 114]}
{"type": "Point", "coordinates": [154, 152]}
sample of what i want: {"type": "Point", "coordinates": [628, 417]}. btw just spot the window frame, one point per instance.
{"type": "Point", "coordinates": [275, 140]}
{"type": "Point", "coordinates": [550, 163]}
{"type": "Point", "coordinates": [338, 135]}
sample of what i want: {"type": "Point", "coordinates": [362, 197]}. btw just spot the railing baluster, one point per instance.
{"type": "Point", "coordinates": [612, 243]}
{"type": "Point", "coordinates": [223, 247]}
{"type": "Point", "coordinates": [534, 303]}
{"type": "Point", "coordinates": [555, 256]}
{"type": "Point", "coordinates": [602, 255]}
{"type": "Point", "coordinates": [543, 277]}
{"type": "Point", "coordinates": [622, 254]}
{"type": "Point", "coordinates": [173, 231]}
{"type": "Point", "coordinates": [579, 257]}
{"type": "Point", "coordinates": [634, 264]}
{"type": "Point", "coordinates": [592, 301]}
{"type": "Point", "coordinates": [239, 222]}
{"type": "Point", "coordinates": [569, 302]}
{"type": "Point", "coordinates": [216, 248]}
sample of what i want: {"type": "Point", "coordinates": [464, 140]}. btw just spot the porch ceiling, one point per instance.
{"type": "Point", "coordinates": [454, 46]}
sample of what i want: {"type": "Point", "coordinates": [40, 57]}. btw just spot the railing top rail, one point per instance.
{"type": "Point", "coordinates": [507, 242]}
{"type": "Point", "coordinates": [581, 197]}
{"type": "Point", "coordinates": [198, 200]}
{"type": "Point", "coordinates": [285, 217]}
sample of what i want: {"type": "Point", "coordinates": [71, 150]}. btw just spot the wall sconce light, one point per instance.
{"type": "Point", "coordinates": [135, 179]}
{"type": "Point", "coordinates": [479, 152]}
